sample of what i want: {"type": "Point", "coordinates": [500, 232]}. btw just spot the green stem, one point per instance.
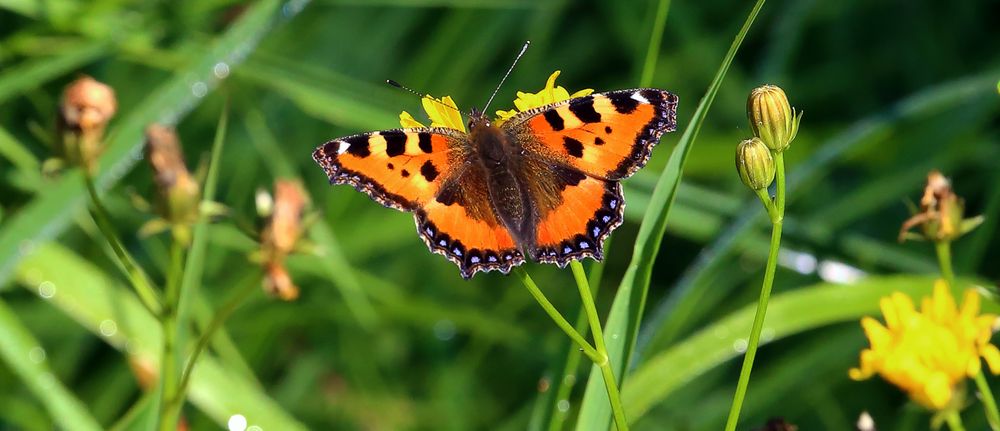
{"type": "Point", "coordinates": [143, 287]}
{"type": "Point", "coordinates": [655, 37]}
{"type": "Point", "coordinates": [167, 418]}
{"type": "Point", "coordinates": [610, 383]}
{"type": "Point", "coordinates": [954, 421]}
{"type": "Point", "coordinates": [777, 219]}
{"type": "Point", "coordinates": [943, 249]}
{"type": "Point", "coordinates": [220, 317]}
{"type": "Point", "coordinates": [766, 200]}
{"type": "Point", "coordinates": [556, 317]}
{"type": "Point", "coordinates": [989, 403]}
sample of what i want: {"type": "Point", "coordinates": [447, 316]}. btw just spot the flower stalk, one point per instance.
{"type": "Point", "coordinates": [759, 161]}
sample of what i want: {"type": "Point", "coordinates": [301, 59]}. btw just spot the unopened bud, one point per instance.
{"type": "Point", "coordinates": [86, 108]}
{"type": "Point", "coordinates": [754, 164]}
{"type": "Point", "coordinates": [179, 193]}
{"type": "Point", "coordinates": [771, 117]}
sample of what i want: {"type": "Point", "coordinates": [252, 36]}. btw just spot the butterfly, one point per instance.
{"type": "Point", "coordinates": [543, 184]}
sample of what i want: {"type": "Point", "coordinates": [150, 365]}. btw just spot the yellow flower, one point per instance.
{"type": "Point", "coordinates": [550, 94]}
{"type": "Point", "coordinates": [443, 112]}
{"type": "Point", "coordinates": [929, 353]}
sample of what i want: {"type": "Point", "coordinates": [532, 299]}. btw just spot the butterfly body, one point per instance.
{"type": "Point", "coordinates": [544, 184]}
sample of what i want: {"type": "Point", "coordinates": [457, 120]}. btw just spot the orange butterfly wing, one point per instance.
{"type": "Point", "coordinates": [578, 150]}
{"type": "Point", "coordinates": [608, 135]}
{"type": "Point", "coordinates": [426, 171]}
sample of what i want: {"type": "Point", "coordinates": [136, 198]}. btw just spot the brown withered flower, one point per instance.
{"type": "Point", "coordinates": [941, 212]}
{"type": "Point", "coordinates": [178, 192]}
{"type": "Point", "coordinates": [282, 230]}
{"type": "Point", "coordinates": [87, 106]}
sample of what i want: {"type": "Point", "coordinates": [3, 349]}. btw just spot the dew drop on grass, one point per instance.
{"type": "Point", "coordinates": [740, 345]}
{"type": "Point", "coordinates": [221, 70]}
{"type": "Point", "coordinates": [199, 89]}
{"type": "Point", "coordinates": [237, 423]}
{"type": "Point", "coordinates": [108, 327]}
{"type": "Point", "coordinates": [46, 289]}
{"type": "Point", "coordinates": [563, 406]}
{"type": "Point", "coordinates": [255, 428]}
{"type": "Point", "coordinates": [36, 355]}
{"type": "Point", "coordinates": [767, 335]}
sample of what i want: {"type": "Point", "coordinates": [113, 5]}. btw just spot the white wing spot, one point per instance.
{"type": "Point", "coordinates": [343, 147]}
{"type": "Point", "coordinates": [638, 97]}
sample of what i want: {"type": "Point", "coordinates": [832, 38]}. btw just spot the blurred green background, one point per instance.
{"type": "Point", "coordinates": [386, 335]}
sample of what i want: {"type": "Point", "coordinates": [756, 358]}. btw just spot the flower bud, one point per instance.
{"type": "Point", "coordinates": [278, 283]}
{"type": "Point", "coordinates": [179, 193]}
{"type": "Point", "coordinates": [754, 164]}
{"type": "Point", "coordinates": [281, 232]}
{"type": "Point", "coordinates": [85, 110]}
{"type": "Point", "coordinates": [771, 117]}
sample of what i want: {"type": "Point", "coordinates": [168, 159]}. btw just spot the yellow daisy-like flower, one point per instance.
{"type": "Point", "coordinates": [929, 353]}
{"type": "Point", "coordinates": [550, 94]}
{"type": "Point", "coordinates": [443, 112]}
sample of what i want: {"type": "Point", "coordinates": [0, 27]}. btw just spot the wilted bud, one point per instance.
{"type": "Point", "coordinates": [771, 117]}
{"type": "Point", "coordinates": [281, 232]}
{"type": "Point", "coordinates": [754, 164]}
{"type": "Point", "coordinates": [941, 212]}
{"type": "Point", "coordinates": [285, 226]}
{"type": "Point", "coordinates": [278, 283]}
{"type": "Point", "coordinates": [179, 193]}
{"type": "Point", "coordinates": [86, 108]}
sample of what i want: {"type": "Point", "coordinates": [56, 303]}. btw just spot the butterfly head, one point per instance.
{"type": "Point", "coordinates": [478, 119]}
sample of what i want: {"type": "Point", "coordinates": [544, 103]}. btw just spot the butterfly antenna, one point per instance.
{"type": "Point", "coordinates": [418, 94]}
{"type": "Point", "coordinates": [523, 48]}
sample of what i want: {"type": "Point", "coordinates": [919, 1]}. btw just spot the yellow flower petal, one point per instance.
{"type": "Point", "coordinates": [407, 120]}
{"type": "Point", "coordinates": [551, 93]}
{"type": "Point", "coordinates": [443, 112]}
{"type": "Point", "coordinates": [992, 356]}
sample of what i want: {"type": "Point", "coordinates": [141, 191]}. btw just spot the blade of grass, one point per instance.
{"type": "Point", "coordinates": [190, 284]}
{"type": "Point", "coordinates": [92, 298]}
{"type": "Point", "coordinates": [33, 73]}
{"type": "Point", "coordinates": [20, 157]}
{"type": "Point", "coordinates": [19, 350]}
{"type": "Point", "coordinates": [49, 213]}
{"type": "Point", "coordinates": [622, 325]}
{"type": "Point", "coordinates": [788, 314]}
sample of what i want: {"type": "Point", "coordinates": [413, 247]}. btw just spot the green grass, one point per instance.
{"type": "Point", "coordinates": [386, 335]}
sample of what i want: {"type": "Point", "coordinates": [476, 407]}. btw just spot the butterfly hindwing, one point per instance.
{"type": "Point", "coordinates": [576, 212]}
{"type": "Point", "coordinates": [461, 224]}
{"type": "Point", "coordinates": [402, 168]}
{"type": "Point", "coordinates": [608, 135]}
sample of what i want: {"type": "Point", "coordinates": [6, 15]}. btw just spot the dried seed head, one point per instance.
{"type": "Point", "coordinates": [278, 283]}
{"type": "Point", "coordinates": [179, 193]}
{"type": "Point", "coordinates": [941, 213]}
{"type": "Point", "coordinates": [87, 106]}
{"type": "Point", "coordinates": [285, 225]}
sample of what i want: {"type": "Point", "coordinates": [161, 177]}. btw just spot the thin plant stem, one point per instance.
{"type": "Point", "coordinates": [777, 219]}
{"type": "Point", "coordinates": [989, 403]}
{"type": "Point", "coordinates": [227, 309]}
{"type": "Point", "coordinates": [607, 373]}
{"type": "Point", "coordinates": [943, 249]}
{"type": "Point", "coordinates": [167, 418]}
{"type": "Point", "coordinates": [572, 363]}
{"type": "Point", "coordinates": [140, 282]}
{"type": "Point", "coordinates": [655, 37]}
{"type": "Point", "coordinates": [954, 421]}
{"type": "Point", "coordinates": [556, 317]}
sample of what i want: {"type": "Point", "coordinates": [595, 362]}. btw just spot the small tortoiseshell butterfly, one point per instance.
{"type": "Point", "coordinates": [543, 184]}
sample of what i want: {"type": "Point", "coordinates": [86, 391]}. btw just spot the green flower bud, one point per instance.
{"type": "Point", "coordinates": [754, 164]}
{"type": "Point", "coordinates": [771, 117]}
